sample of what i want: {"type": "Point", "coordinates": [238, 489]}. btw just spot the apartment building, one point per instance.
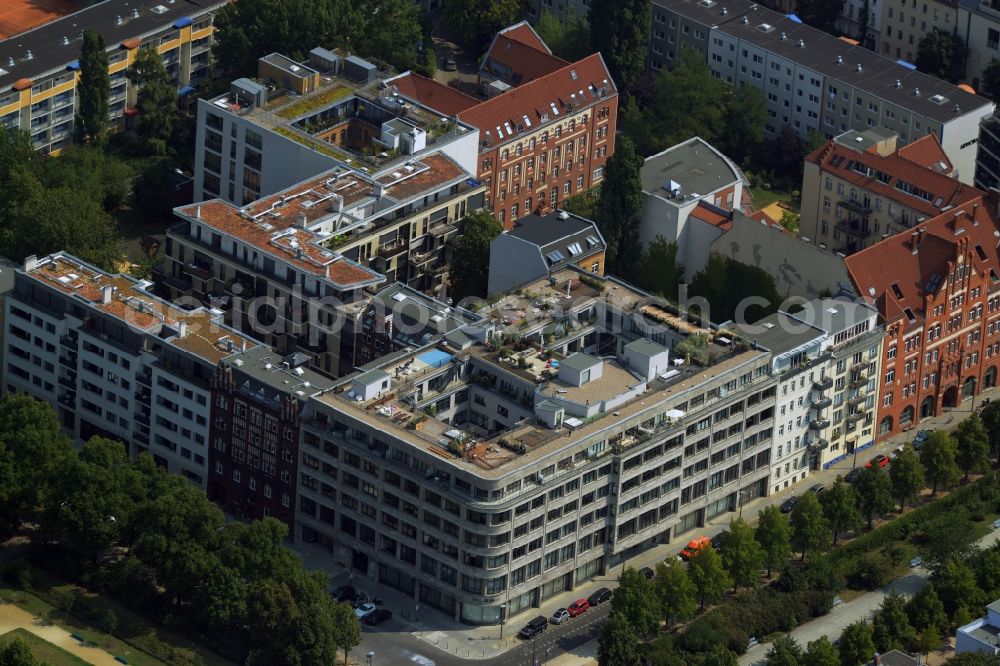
{"type": "Point", "coordinates": [988, 154]}
{"type": "Point", "coordinates": [936, 291]}
{"type": "Point", "coordinates": [39, 68]}
{"type": "Point", "coordinates": [314, 248]}
{"type": "Point", "coordinates": [687, 191]}
{"type": "Point", "coordinates": [257, 403]}
{"type": "Point", "coordinates": [116, 361]}
{"type": "Point", "coordinates": [297, 120]}
{"type": "Point", "coordinates": [979, 27]}
{"type": "Point", "coordinates": [827, 358]}
{"type": "Point", "coordinates": [814, 82]}
{"type": "Point", "coordinates": [526, 454]}
{"type": "Point", "coordinates": [906, 23]}
{"type": "Point", "coordinates": [860, 187]}
{"type": "Point", "coordinates": [851, 21]}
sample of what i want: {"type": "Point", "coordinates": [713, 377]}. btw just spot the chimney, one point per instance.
{"type": "Point", "coordinates": [182, 328]}
{"type": "Point", "coordinates": [916, 238]}
{"type": "Point", "coordinates": [300, 220]}
{"type": "Point", "coordinates": [30, 262]}
{"type": "Point", "coordinates": [197, 212]}
{"type": "Point", "coordinates": [106, 292]}
{"type": "Point", "coordinates": [975, 214]}
{"type": "Point", "coordinates": [957, 223]}
{"type": "Point", "coordinates": [243, 346]}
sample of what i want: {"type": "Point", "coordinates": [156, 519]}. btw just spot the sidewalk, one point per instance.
{"type": "Point", "coordinates": [12, 617]}
{"type": "Point", "coordinates": [435, 628]}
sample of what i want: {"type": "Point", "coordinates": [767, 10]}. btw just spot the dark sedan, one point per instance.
{"type": "Point", "coordinates": [378, 617]}
{"type": "Point", "coordinates": [599, 597]}
{"type": "Point", "coordinates": [789, 504]}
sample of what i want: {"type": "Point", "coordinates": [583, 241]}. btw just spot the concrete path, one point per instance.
{"type": "Point", "coordinates": [833, 623]}
{"type": "Point", "coordinates": [12, 617]}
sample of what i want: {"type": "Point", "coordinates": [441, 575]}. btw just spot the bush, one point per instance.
{"type": "Point", "coordinates": [870, 572]}
{"type": "Point", "coordinates": [18, 574]}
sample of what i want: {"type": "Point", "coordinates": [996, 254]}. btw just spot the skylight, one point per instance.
{"type": "Point", "coordinates": [555, 256]}
{"type": "Point", "coordinates": [574, 249]}
{"type": "Point", "coordinates": [592, 241]}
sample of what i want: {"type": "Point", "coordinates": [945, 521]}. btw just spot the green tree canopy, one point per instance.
{"type": "Point", "coordinates": [774, 534]}
{"type": "Point", "coordinates": [891, 628]}
{"type": "Point", "coordinates": [874, 492]}
{"type": "Point", "coordinates": [822, 14]}
{"type": "Point", "coordinates": [972, 453]}
{"type": "Point", "coordinates": [907, 476]}
{"type": "Point", "coordinates": [157, 96]}
{"type": "Point", "coordinates": [840, 508]}
{"type": "Point", "coordinates": [810, 529]}
{"type": "Point", "coordinates": [636, 599]}
{"type": "Point", "coordinates": [990, 415]}
{"type": "Point", "coordinates": [674, 591]}
{"type": "Point", "coordinates": [742, 556]}
{"type": "Point", "coordinates": [742, 132]}
{"type": "Point", "coordinates": [820, 652]}
{"type": "Point", "coordinates": [619, 208]}
{"type": "Point", "coordinates": [17, 653]}
{"type": "Point", "coordinates": [925, 610]}
{"type": "Point", "coordinates": [617, 644]}
{"type": "Point", "coordinates": [619, 31]}
{"type": "Point", "coordinates": [568, 39]}
{"type": "Point", "coordinates": [942, 54]}
{"type": "Point", "coordinates": [708, 575]}
{"type": "Point", "coordinates": [390, 31]}
{"type": "Point", "coordinates": [856, 644]}
{"type": "Point", "coordinates": [734, 291]}
{"type": "Point", "coordinates": [477, 21]}
{"type": "Point", "coordinates": [937, 455]}
{"type": "Point", "coordinates": [94, 89]}
{"type": "Point", "coordinates": [470, 256]}
{"type": "Point", "coordinates": [957, 588]}
{"type": "Point", "coordinates": [784, 651]}
{"type": "Point", "coordinates": [659, 271]}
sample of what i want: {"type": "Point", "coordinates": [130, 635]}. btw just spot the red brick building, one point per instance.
{"type": "Point", "coordinates": [546, 127]}
{"type": "Point", "coordinates": [937, 288]}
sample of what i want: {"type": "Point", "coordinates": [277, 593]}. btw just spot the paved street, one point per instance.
{"type": "Point", "coordinates": [441, 641]}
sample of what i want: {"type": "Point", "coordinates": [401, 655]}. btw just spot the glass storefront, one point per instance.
{"type": "Point", "coordinates": [437, 599]}
{"type": "Point", "coordinates": [472, 614]}
{"type": "Point", "coordinates": [588, 570]}
{"type": "Point", "coordinates": [520, 602]}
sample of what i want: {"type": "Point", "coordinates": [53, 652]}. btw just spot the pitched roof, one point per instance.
{"type": "Point", "coordinates": [890, 172]}
{"type": "Point", "coordinates": [706, 214]}
{"type": "Point", "coordinates": [443, 99]}
{"type": "Point", "coordinates": [524, 33]}
{"type": "Point", "coordinates": [517, 62]}
{"type": "Point", "coordinates": [898, 272]}
{"type": "Point", "coordinates": [927, 151]}
{"type": "Point", "coordinates": [547, 97]}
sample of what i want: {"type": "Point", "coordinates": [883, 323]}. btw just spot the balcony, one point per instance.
{"type": "Point", "coordinates": [392, 249]}
{"type": "Point", "coordinates": [69, 340]}
{"type": "Point", "coordinates": [202, 272]}
{"type": "Point", "coordinates": [854, 417]}
{"type": "Point", "coordinates": [66, 400]}
{"type": "Point", "coordinates": [145, 378]}
{"type": "Point", "coordinates": [421, 258]}
{"type": "Point", "coordinates": [857, 400]}
{"type": "Point", "coordinates": [855, 206]}
{"type": "Point", "coordinates": [443, 229]}
{"type": "Point", "coordinates": [854, 228]}
{"type": "Point", "coordinates": [142, 418]}
{"type": "Point", "coordinates": [68, 359]}
{"type": "Point", "coordinates": [140, 436]}
{"type": "Point", "coordinates": [823, 384]}
{"type": "Point", "coordinates": [818, 444]}
{"type": "Point", "coordinates": [859, 380]}
{"type": "Point", "coordinates": [68, 382]}
{"type": "Point", "coordinates": [440, 269]}
{"type": "Point", "coordinates": [819, 424]}
{"type": "Point", "coordinates": [822, 403]}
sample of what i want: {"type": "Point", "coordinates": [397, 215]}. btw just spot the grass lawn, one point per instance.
{"type": "Point", "coordinates": [46, 652]}
{"type": "Point", "coordinates": [762, 197]}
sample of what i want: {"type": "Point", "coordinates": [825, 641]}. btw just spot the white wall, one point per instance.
{"type": "Point", "coordinates": [187, 428]}
{"type": "Point", "coordinates": [959, 138]}
{"type": "Point", "coordinates": [789, 459]}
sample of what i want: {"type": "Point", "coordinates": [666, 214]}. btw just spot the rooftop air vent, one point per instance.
{"type": "Point", "coordinates": [64, 41]}
{"type": "Point", "coordinates": [135, 12]}
{"type": "Point", "coordinates": [840, 60]}
{"type": "Point", "coordinates": [957, 109]}
{"type": "Point", "coordinates": [916, 92]}
{"type": "Point", "coordinates": [744, 20]}
{"type": "Point", "coordinates": [119, 20]}
{"type": "Point", "coordinates": [898, 84]}
{"type": "Point", "coordinates": [159, 9]}
{"type": "Point", "coordinates": [29, 55]}
{"type": "Point", "coordinates": [724, 12]}
{"type": "Point", "coordinates": [802, 44]}
{"type": "Point", "coordinates": [938, 99]}
{"type": "Point", "coordinates": [857, 68]}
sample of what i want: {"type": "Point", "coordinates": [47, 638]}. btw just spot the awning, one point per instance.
{"type": "Point", "coordinates": [183, 22]}
{"type": "Point", "coordinates": [75, 65]}
{"type": "Point", "coordinates": [907, 65]}
{"type": "Point", "coordinates": [184, 91]}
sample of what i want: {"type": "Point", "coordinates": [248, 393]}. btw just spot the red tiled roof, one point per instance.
{"type": "Point", "coordinates": [524, 62]}
{"type": "Point", "coordinates": [927, 151]}
{"type": "Point", "coordinates": [899, 168]}
{"type": "Point", "coordinates": [533, 99]}
{"type": "Point", "coordinates": [524, 33]}
{"type": "Point", "coordinates": [443, 99]}
{"type": "Point", "coordinates": [715, 218]}
{"type": "Point", "coordinates": [915, 260]}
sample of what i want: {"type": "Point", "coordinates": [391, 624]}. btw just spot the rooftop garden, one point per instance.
{"type": "Point", "coordinates": [314, 102]}
{"type": "Point", "coordinates": [318, 146]}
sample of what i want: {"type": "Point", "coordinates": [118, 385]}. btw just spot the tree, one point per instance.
{"type": "Point", "coordinates": [874, 492]}
{"type": "Point", "coordinates": [619, 208]}
{"type": "Point", "coordinates": [991, 81]}
{"type": "Point", "coordinates": [937, 455]}
{"type": "Point", "coordinates": [619, 31]}
{"type": "Point", "coordinates": [926, 611]}
{"type": "Point", "coordinates": [734, 291]}
{"type": "Point", "coordinates": [17, 653]}
{"type": "Point", "coordinates": [929, 640]}
{"type": "Point", "coordinates": [94, 89]}
{"type": "Point", "coordinates": [856, 644]}
{"type": "Point", "coordinates": [245, 31]}
{"type": "Point", "coordinates": [674, 591]}
{"type": "Point", "coordinates": [391, 31]}
{"type": "Point", "coordinates": [568, 39]}
{"type": "Point", "coordinates": [708, 575]}
{"type": "Point", "coordinates": [820, 652]}
{"type": "Point", "coordinates": [742, 132]}
{"type": "Point", "coordinates": [65, 600]}
{"type": "Point", "coordinates": [957, 588]}
{"type": "Point", "coordinates": [907, 476]}
{"type": "Point", "coordinates": [891, 628]}
{"type": "Point", "coordinates": [659, 271]}
{"type": "Point", "coordinates": [742, 556]}
{"type": "Point", "coordinates": [810, 529]}
{"type": "Point", "coordinates": [157, 96]}
{"type": "Point", "coordinates": [990, 415]}
{"type": "Point", "coordinates": [784, 154]}
{"type": "Point", "coordinates": [720, 656]}
{"type": "Point", "coordinates": [820, 14]}
{"type": "Point", "coordinates": [347, 633]}
{"type": "Point", "coordinates": [942, 54]}
{"type": "Point", "coordinates": [110, 624]}
{"type": "Point", "coordinates": [471, 254]}
{"type": "Point", "coordinates": [618, 645]}
{"type": "Point", "coordinates": [840, 508]}
{"type": "Point", "coordinates": [972, 452]}
{"type": "Point", "coordinates": [774, 534]}
{"type": "Point", "coordinates": [784, 652]}
{"type": "Point", "coordinates": [478, 20]}
{"type": "Point", "coordinates": [636, 599]}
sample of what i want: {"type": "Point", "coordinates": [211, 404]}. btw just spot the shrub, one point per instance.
{"type": "Point", "coordinates": [870, 572]}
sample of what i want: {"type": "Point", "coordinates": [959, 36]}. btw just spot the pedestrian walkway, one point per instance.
{"type": "Point", "coordinates": [445, 633]}
{"type": "Point", "coordinates": [12, 617]}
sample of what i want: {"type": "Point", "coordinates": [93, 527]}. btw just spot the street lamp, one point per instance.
{"type": "Point", "coordinates": [503, 607]}
{"type": "Point", "coordinates": [548, 651]}
{"type": "Point", "coordinates": [370, 656]}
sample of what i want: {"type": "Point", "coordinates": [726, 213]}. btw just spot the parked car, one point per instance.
{"type": "Point", "coordinates": [378, 617]}
{"type": "Point", "coordinates": [789, 504]}
{"type": "Point", "coordinates": [916, 562]}
{"type": "Point", "coordinates": [919, 439]}
{"type": "Point", "coordinates": [449, 63]}
{"type": "Point", "coordinates": [695, 546]}
{"type": "Point", "coordinates": [719, 539]}
{"type": "Point", "coordinates": [364, 610]}
{"type": "Point", "coordinates": [578, 607]}
{"type": "Point", "coordinates": [344, 593]}
{"type": "Point", "coordinates": [895, 452]}
{"type": "Point", "coordinates": [647, 572]}
{"type": "Point", "coordinates": [360, 599]}
{"type": "Point", "coordinates": [853, 475]}
{"type": "Point", "coordinates": [817, 488]}
{"type": "Point", "coordinates": [881, 460]}
{"type": "Point", "coordinates": [534, 627]}
{"type": "Point", "coordinates": [599, 597]}
{"type": "Point", "coordinates": [560, 616]}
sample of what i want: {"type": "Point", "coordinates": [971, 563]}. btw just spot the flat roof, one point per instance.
{"type": "Point", "coordinates": [863, 140]}
{"type": "Point", "coordinates": [779, 333]}
{"type": "Point", "coordinates": [45, 42]}
{"type": "Point", "coordinates": [545, 229]}
{"type": "Point", "coordinates": [580, 361]}
{"type": "Point", "coordinates": [265, 366]}
{"type": "Point", "coordinates": [820, 51]}
{"type": "Point", "coordinates": [694, 165]}
{"type": "Point", "coordinates": [646, 347]}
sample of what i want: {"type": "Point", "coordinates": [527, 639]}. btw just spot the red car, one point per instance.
{"type": "Point", "coordinates": [578, 607]}
{"type": "Point", "coordinates": [880, 460]}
